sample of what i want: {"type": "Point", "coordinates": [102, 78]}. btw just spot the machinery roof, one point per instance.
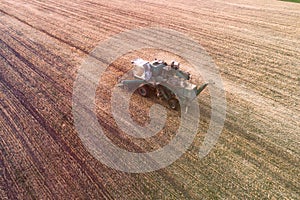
{"type": "Point", "coordinates": [140, 62]}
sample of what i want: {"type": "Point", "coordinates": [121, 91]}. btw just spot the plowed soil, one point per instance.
{"type": "Point", "coordinates": [256, 46]}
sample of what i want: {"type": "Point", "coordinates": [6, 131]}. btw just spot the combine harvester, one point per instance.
{"type": "Point", "coordinates": [166, 81]}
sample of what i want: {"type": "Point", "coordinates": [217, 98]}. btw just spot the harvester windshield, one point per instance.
{"type": "Point", "coordinates": [142, 69]}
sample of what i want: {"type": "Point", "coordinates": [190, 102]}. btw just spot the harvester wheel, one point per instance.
{"type": "Point", "coordinates": [174, 104]}
{"type": "Point", "coordinates": [144, 91]}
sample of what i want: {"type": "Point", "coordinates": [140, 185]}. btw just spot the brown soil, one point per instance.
{"type": "Point", "coordinates": [256, 46]}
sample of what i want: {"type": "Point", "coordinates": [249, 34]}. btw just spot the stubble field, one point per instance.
{"type": "Point", "coordinates": [256, 46]}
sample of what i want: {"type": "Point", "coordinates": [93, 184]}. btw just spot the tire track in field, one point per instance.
{"type": "Point", "coordinates": [258, 161]}
{"type": "Point", "coordinates": [52, 134]}
{"type": "Point", "coordinates": [37, 55]}
{"type": "Point", "coordinates": [58, 28]}
{"type": "Point", "coordinates": [32, 67]}
{"type": "Point", "coordinates": [5, 177]}
{"type": "Point", "coordinates": [259, 146]}
{"type": "Point", "coordinates": [255, 143]}
{"type": "Point", "coordinates": [45, 32]}
{"type": "Point", "coordinates": [23, 100]}
{"type": "Point", "coordinates": [105, 124]}
{"type": "Point", "coordinates": [237, 75]}
{"type": "Point", "coordinates": [29, 151]}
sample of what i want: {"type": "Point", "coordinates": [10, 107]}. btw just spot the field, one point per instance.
{"type": "Point", "coordinates": [296, 1]}
{"type": "Point", "coordinates": [256, 46]}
